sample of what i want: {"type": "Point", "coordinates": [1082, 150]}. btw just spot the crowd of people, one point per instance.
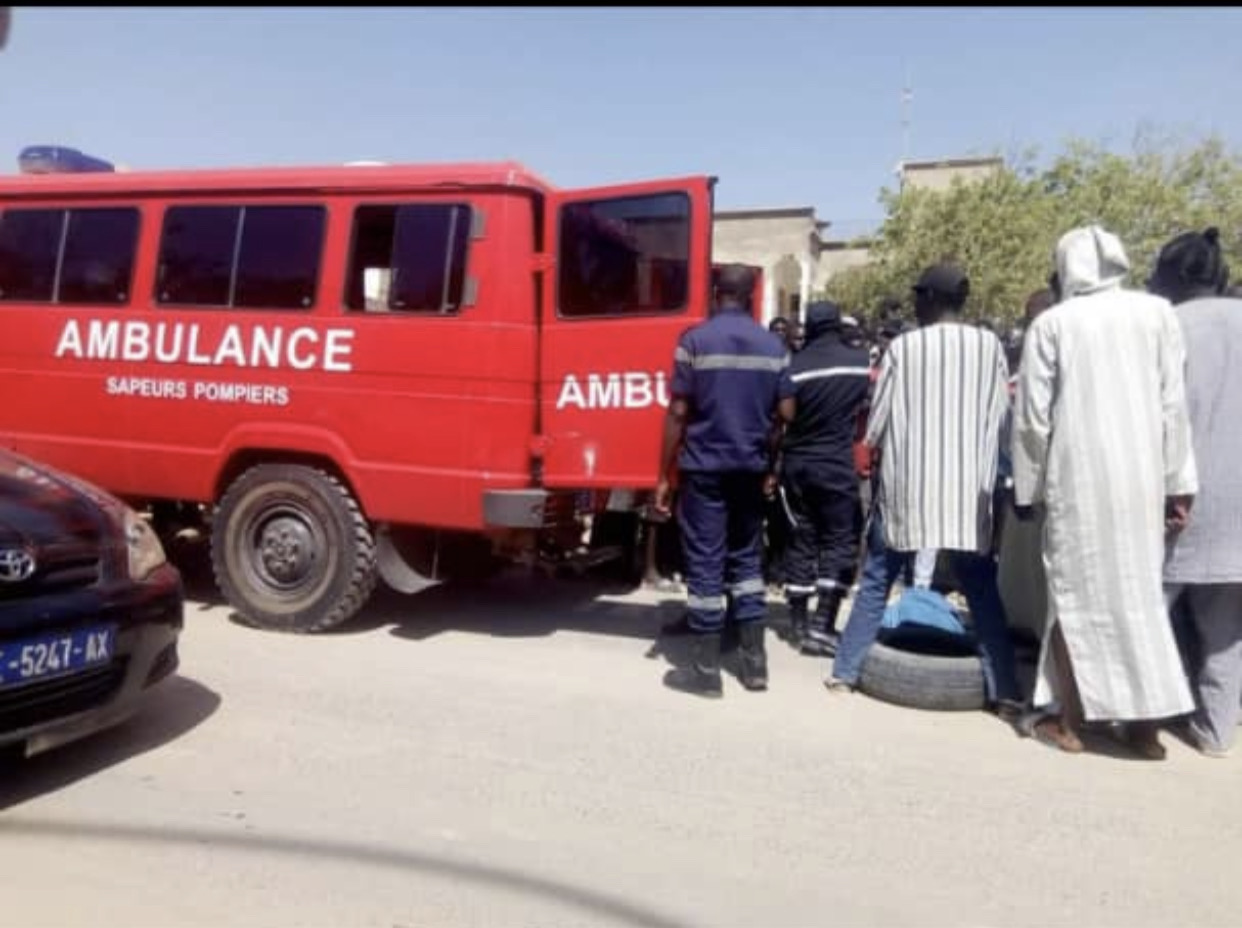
{"type": "Point", "coordinates": [1103, 424]}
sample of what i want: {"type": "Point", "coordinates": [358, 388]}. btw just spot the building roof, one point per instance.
{"type": "Point", "coordinates": [989, 161]}
{"type": "Point", "coordinates": [779, 212]}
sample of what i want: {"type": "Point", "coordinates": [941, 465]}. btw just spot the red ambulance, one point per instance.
{"type": "Point", "coordinates": [410, 371]}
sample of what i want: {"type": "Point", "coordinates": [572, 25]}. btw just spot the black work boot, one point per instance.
{"type": "Point", "coordinates": [701, 677]}
{"type": "Point", "coordinates": [821, 638]}
{"type": "Point", "coordinates": [798, 608]}
{"type": "Point", "coordinates": [754, 658]}
{"type": "Point", "coordinates": [678, 628]}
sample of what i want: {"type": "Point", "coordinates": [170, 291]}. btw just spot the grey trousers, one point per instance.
{"type": "Point", "coordinates": [1214, 614]}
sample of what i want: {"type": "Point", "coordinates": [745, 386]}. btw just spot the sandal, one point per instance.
{"type": "Point", "coordinates": [1049, 731]}
{"type": "Point", "coordinates": [1143, 740]}
{"type": "Point", "coordinates": [1009, 710]}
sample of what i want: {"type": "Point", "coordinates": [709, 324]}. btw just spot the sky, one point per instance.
{"type": "Point", "coordinates": [787, 107]}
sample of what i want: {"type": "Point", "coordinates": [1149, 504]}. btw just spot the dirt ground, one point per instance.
{"type": "Point", "coordinates": [508, 756]}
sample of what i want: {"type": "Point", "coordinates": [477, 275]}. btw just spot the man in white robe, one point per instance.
{"type": "Point", "coordinates": [1102, 443]}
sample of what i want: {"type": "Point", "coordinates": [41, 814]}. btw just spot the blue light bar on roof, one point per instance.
{"type": "Point", "coordinates": [56, 159]}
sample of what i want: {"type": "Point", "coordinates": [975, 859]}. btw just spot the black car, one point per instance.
{"type": "Point", "coordinates": [90, 609]}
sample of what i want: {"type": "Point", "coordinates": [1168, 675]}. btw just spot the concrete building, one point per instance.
{"type": "Point", "coordinates": [800, 254]}
{"type": "Point", "coordinates": [840, 255]}
{"type": "Point", "coordinates": [786, 243]}
{"type": "Point", "coordinates": [939, 175]}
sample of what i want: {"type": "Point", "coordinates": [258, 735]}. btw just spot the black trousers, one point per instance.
{"type": "Point", "coordinates": [823, 549]}
{"type": "Point", "coordinates": [776, 541]}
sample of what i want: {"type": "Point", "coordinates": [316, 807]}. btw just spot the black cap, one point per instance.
{"type": "Point", "coordinates": [946, 280]}
{"type": "Point", "coordinates": [823, 312]}
{"type": "Point", "coordinates": [822, 316]}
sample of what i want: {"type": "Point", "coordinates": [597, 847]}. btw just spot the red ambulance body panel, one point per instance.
{"type": "Point", "coordinates": [457, 346]}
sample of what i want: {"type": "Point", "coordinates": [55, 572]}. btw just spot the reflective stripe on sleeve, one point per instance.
{"type": "Point", "coordinates": [824, 372]}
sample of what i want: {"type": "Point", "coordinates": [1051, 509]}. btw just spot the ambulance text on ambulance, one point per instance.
{"type": "Point", "coordinates": [259, 347]}
{"type": "Point", "coordinates": [627, 390]}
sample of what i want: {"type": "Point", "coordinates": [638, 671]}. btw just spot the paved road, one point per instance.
{"type": "Point", "coordinates": [509, 757]}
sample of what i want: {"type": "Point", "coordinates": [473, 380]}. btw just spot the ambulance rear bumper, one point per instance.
{"type": "Point", "coordinates": [530, 508]}
{"type": "Point", "coordinates": [515, 508]}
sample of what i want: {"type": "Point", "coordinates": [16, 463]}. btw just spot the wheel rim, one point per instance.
{"type": "Point", "coordinates": [284, 551]}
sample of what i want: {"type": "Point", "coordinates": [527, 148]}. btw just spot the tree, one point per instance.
{"type": "Point", "coordinates": [1003, 229]}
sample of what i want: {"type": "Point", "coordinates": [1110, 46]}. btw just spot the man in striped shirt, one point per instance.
{"type": "Point", "coordinates": [936, 420]}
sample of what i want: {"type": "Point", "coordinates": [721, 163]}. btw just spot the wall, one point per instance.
{"type": "Point", "coordinates": [784, 243]}
{"type": "Point", "coordinates": [838, 257]}
{"type": "Point", "coordinates": [940, 175]}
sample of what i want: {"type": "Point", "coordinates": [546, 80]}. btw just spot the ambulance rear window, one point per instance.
{"type": "Point", "coordinates": [624, 256]}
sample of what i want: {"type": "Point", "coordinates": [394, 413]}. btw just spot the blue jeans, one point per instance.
{"type": "Point", "coordinates": [977, 574]}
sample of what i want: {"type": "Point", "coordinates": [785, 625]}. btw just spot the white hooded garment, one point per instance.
{"type": "Point", "coordinates": [1101, 437]}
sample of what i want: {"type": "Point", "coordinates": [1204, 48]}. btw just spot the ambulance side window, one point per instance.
{"type": "Point", "coordinates": [278, 261]}
{"type": "Point", "coordinates": [98, 261]}
{"type": "Point", "coordinates": [196, 255]}
{"type": "Point", "coordinates": [409, 258]}
{"type": "Point", "coordinates": [624, 256]}
{"type": "Point", "coordinates": [243, 257]}
{"type": "Point", "coordinates": [74, 257]}
{"type": "Point", "coordinates": [29, 250]}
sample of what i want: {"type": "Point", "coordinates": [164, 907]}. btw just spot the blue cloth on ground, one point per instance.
{"type": "Point", "coordinates": [926, 609]}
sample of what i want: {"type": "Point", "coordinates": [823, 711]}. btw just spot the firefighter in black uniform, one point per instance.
{"type": "Point", "coordinates": [832, 382]}
{"type": "Point", "coordinates": [776, 526]}
{"type": "Point", "coordinates": [731, 395]}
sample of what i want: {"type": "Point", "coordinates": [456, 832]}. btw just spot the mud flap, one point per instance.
{"type": "Point", "coordinates": [396, 570]}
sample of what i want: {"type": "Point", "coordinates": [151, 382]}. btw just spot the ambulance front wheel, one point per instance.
{"type": "Point", "coordinates": [291, 549]}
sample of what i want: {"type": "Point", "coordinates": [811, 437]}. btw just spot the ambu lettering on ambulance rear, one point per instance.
{"type": "Point", "coordinates": [630, 390]}
{"type": "Point", "coordinates": [402, 371]}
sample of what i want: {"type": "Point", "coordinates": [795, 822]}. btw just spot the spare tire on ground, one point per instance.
{"type": "Point", "coordinates": [924, 669]}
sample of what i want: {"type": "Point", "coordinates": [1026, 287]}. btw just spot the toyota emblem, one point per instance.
{"type": "Point", "coordinates": [16, 565]}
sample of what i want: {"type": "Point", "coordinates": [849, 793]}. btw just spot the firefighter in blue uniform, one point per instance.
{"type": "Point", "coordinates": [818, 477]}
{"type": "Point", "coordinates": [730, 398]}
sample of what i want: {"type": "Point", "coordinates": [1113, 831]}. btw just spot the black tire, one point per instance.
{"type": "Point", "coordinates": [316, 535]}
{"type": "Point", "coordinates": [923, 681]}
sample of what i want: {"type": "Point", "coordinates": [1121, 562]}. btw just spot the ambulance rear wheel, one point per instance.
{"type": "Point", "coordinates": [291, 549]}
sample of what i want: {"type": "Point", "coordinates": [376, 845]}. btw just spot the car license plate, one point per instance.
{"type": "Point", "coordinates": [56, 655]}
